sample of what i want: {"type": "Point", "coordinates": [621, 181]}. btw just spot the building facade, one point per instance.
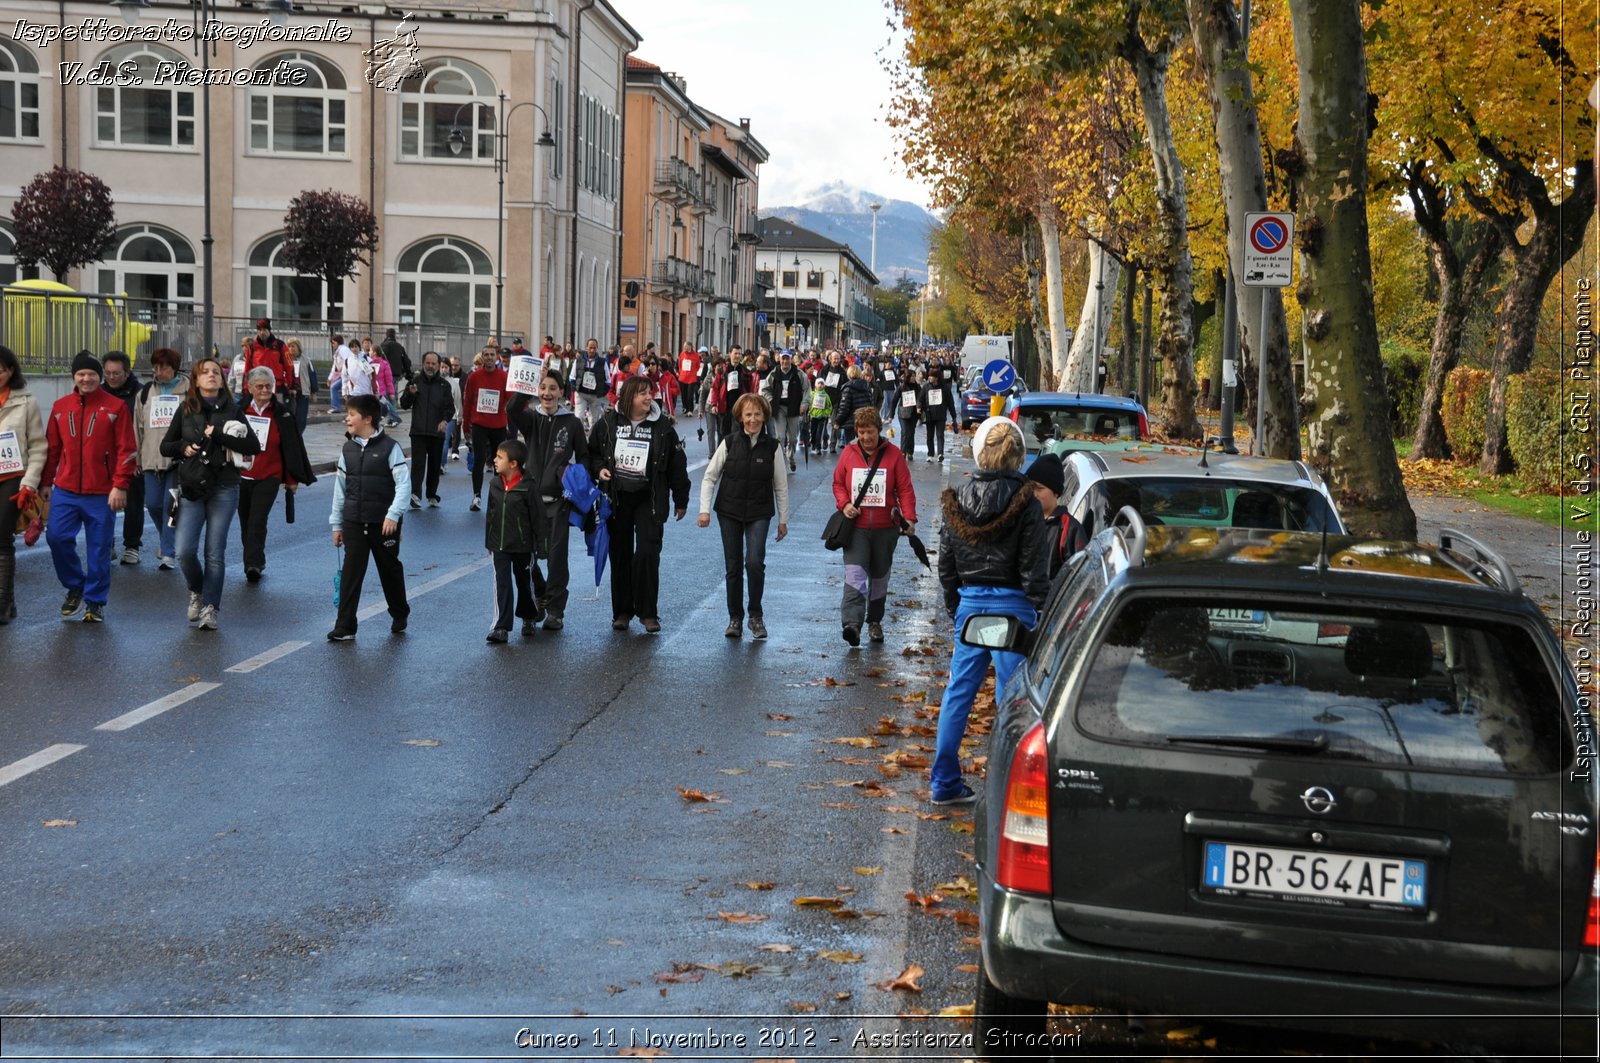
{"type": "Point", "coordinates": [818, 291]}
{"type": "Point", "coordinates": [693, 182]}
{"type": "Point", "coordinates": [481, 226]}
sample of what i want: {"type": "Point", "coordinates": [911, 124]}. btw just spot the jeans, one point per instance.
{"type": "Point", "coordinates": [866, 575]}
{"type": "Point", "coordinates": [968, 666]}
{"type": "Point", "coordinates": [786, 430]}
{"type": "Point", "coordinates": [744, 554]}
{"type": "Point", "coordinates": [713, 433]}
{"type": "Point", "coordinates": [302, 412]}
{"type": "Point", "coordinates": [157, 501]}
{"type": "Point", "coordinates": [337, 390]}
{"type": "Point", "coordinates": [215, 513]}
{"type": "Point", "coordinates": [92, 513]}
{"type": "Point", "coordinates": [452, 434]}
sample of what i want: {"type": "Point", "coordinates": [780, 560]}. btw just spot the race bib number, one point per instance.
{"type": "Point", "coordinates": [877, 493]}
{"type": "Point", "coordinates": [163, 408]}
{"type": "Point", "coordinates": [10, 457]}
{"type": "Point", "coordinates": [489, 402]}
{"type": "Point", "coordinates": [733, 381]}
{"type": "Point", "coordinates": [784, 392]}
{"type": "Point", "coordinates": [522, 378]}
{"type": "Point", "coordinates": [261, 426]}
{"type": "Point", "coordinates": [831, 381]}
{"type": "Point", "coordinates": [936, 397]}
{"type": "Point", "coordinates": [819, 400]}
{"type": "Point", "coordinates": [297, 369]}
{"type": "Point", "coordinates": [686, 366]}
{"type": "Point", "coordinates": [633, 455]}
{"type": "Point", "coordinates": [888, 374]}
{"type": "Point", "coordinates": [908, 401]}
{"type": "Point", "coordinates": [588, 381]}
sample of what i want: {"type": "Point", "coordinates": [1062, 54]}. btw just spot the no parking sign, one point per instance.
{"type": "Point", "coordinates": [1268, 250]}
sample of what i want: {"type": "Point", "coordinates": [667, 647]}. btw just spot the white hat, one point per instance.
{"type": "Point", "coordinates": [702, 351]}
{"type": "Point", "coordinates": [980, 437]}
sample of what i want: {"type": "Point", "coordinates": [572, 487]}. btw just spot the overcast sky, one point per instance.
{"type": "Point", "coordinates": [808, 77]}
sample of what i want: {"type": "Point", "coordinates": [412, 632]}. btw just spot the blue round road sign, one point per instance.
{"type": "Point", "coordinates": [1268, 235]}
{"type": "Point", "coordinates": [999, 375]}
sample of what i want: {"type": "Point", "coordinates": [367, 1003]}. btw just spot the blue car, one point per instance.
{"type": "Point", "coordinates": [1069, 418]}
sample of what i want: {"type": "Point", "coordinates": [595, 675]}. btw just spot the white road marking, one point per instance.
{"type": "Point", "coordinates": [412, 594]}
{"type": "Point", "coordinates": [261, 660]}
{"type": "Point", "coordinates": [157, 707]}
{"type": "Point", "coordinates": [42, 759]}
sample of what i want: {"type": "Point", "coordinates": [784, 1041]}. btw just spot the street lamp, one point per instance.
{"type": "Point", "coordinates": [813, 269]}
{"type": "Point", "coordinates": [457, 142]}
{"type": "Point", "coordinates": [205, 11]}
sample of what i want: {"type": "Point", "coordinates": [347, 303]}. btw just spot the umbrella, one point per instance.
{"type": "Point", "coordinates": [917, 546]}
{"type": "Point", "coordinates": [598, 539]}
{"type": "Point", "coordinates": [578, 489]}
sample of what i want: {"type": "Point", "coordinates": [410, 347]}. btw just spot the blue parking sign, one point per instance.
{"type": "Point", "coordinates": [999, 375]}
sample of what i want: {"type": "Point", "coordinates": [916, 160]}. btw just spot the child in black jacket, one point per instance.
{"type": "Point", "coordinates": [511, 532]}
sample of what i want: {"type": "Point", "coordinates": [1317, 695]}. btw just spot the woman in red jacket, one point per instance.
{"type": "Point", "coordinates": [888, 509]}
{"type": "Point", "coordinates": [483, 417]}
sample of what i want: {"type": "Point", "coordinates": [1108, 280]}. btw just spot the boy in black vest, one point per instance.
{"type": "Point", "coordinates": [370, 491]}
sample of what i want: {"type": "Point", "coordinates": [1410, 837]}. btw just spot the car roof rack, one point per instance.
{"type": "Point", "coordinates": [1130, 525]}
{"type": "Point", "coordinates": [1480, 555]}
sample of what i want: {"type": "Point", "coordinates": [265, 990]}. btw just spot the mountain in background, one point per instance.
{"type": "Point", "coordinates": [840, 212]}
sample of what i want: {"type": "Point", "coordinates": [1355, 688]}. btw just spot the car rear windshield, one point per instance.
{"type": "Point", "coordinates": [1043, 424]}
{"type": "Point", "coordinates": [1215, 502]}
{"type": "Point", "coordinates": [1338, 682]}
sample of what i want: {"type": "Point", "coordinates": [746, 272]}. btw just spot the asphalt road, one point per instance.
{"type": "Point", "coordinates": [430, 826]}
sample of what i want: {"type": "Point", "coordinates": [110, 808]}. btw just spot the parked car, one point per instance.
{"type": "Point", "coordinates": [1194, 487]}
{"type": "Point", "coordinates": [1388, 835]}
{"type": "Point", "coordinates": [975, 399]}
{"type": "Point", "coordinates": [1075, 420]}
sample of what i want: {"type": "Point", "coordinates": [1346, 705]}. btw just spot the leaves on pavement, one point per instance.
{"type": "Point", "coordinates": [60, 823]}
{"type": "Point", "coordinates": [426, 743]}
{"type": "Point", "coordinates": [905, 981]}
{"type": "Point", "coordinates": [698, 796]}
{"type": "Point", "coordinates": [840, 956]}
{"type": "Point", "coordinates": [741, 918]}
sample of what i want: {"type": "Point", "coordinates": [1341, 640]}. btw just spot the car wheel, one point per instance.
{"type": "Point", "coordinates": [1002, 1025]}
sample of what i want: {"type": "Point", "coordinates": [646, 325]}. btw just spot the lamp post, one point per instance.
{"type": "Point", "coordinates": [204, 12]}
{"type": "Point", "coordinates": [677, 223]}
{"type": "Point", "coordinates": [457, 141]}
{"type": "Point", "coordinates": [874, 207]}
{"type": "Point", "coordinates": [813, 269]}
{"type": "Point", "coordinates": [714, 234]}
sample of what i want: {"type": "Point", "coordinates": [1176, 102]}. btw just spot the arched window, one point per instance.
{"type": "Point", "coordinates": [9, 273]}
{"type": "Point", "coordinates": [298, 119]}
{"type": "Point", "coordinates": [278, 292]}
{"type": "Point", "coordinates": [446, 281]}
{"type": "Point", "coordinates": [149, 262]}
{"type": "Point", "coordinates": [19, 92]}
{"type": "Point", "coordinates": [144, 109]}
{"type": "Point", "coordinates": [448, 113]}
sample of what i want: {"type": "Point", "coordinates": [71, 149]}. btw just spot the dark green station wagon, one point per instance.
{"type": "Point", "coordinates": [1294, 779]}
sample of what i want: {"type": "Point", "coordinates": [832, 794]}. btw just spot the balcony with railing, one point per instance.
{"type": "Point", "coordinates": [680, 184]}
{"type": "Point", "coordinates": [680, 277]}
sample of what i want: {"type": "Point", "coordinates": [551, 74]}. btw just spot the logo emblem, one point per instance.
{"type": "Point", "coordinates": [1319, 799]}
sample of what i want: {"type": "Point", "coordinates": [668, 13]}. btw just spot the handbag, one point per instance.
{"type": "Point", "coordinates": [841, 529]}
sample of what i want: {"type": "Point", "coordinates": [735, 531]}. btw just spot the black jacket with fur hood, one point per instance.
{"type": "Point", "coordinates": [993, 536]}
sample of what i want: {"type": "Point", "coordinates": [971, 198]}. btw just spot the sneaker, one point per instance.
{"type": "Point", "coordinates": [341, 636]}
{"type": "Point", "coordinates": [620, 623]}
{"type": "Point", "coordinates": [397, 626]}
{"type": "Point", "coordinates": [736, 628]}
{"type": "Point", "coordinates": [208, 618]}
{"type": "Point", "coordinates": [496, 636]}
{"type": "Point", "coordinates": [433, 503]}
{"type": "Point", "coordinates": [539, 609]}
{"type": "Point", "coordinates": [852, 634]}
{"type": "Point", "coordinates": [652, 626]}
{"type": "Point", "coordinates": [94, 614]}
{"type": "Point", "coordinates": [252, 575]}
{"type": "Point", "coordinates": [72, 603]}
{"type": "Point", "coordinates": [553, 622]}
{"type": "Point", "coordinates": [455, 455]}
{"type": "Point", "coordinates": [416, 502]}
{"type": "Point", "coordinates": [875, 632]}
{"type": "Point", "coordinates": [961, 796]}
{"type": "Point", "coordinates": [529, 628]}
{"type": "Point", "coordinates": [166, 563]}
{"type": "Point", "coordinates": [194, 606]}
{"type": "Point", "coordinates": [476, 504]}
{"type": "Point", "coordinates": [791, 463]}
{"type": "Point", "coordinates": [130, 556]}
{"type": "Point", "coordinates": [930, 459]}
{"type": "Point", "coordinates": [758, 629]}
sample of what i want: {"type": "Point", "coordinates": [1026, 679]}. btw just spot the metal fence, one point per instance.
{"type": "Point", "coordinates": [46, 328]}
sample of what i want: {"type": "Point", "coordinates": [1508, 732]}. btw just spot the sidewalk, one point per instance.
{"type": "Point", "coordinates": [325, 437]}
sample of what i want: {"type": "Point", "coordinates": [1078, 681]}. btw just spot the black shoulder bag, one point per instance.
{"type": "Point", "coordinates": [840, 528]}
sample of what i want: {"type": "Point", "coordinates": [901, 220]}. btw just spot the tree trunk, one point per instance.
{"type": "Point", "coordinates": [1030, 257]}
{"type": "Point", "coordinates": [1174, 267]}
{"type": "Point", "coordinates": [1099, 307]}
{"type": "Point", "coordinates": [1348, 425]}
{"type": "Point", "coordinates": [1557, 234]}
{"type": "Point", "coordinates": [1458, 290]}
{"type": "Point", "coordinates": [1050, 240]}
{"type": "Point", "coordinates": [1219, 49]}
{"type": "Point", "coordinates": [1129, 349]}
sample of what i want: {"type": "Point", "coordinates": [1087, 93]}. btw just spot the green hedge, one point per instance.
{"type": "Point", "coordinates": [1534, 423]}
{"type": "Point", "coordinates": [1465, 409]}
{"type": "Point", "coordinates": [1405, 370]}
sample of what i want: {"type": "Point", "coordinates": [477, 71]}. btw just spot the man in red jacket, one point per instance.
{"type": "Point", "coordinates": [689, 375]}
{"type": "Point", "coordinates": [483, 416]}
{"type": "Point", "coordinates": [87, 470]}
{"type": "Point", "coordinates": [268, 350]}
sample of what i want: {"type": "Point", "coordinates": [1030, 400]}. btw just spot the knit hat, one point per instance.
{"type": "Point", "coordinates": [1046, 469]}
{"type": "Point", "coordinates": [265, 323]}
{"type": "Point", "coordinates": [86, 360]}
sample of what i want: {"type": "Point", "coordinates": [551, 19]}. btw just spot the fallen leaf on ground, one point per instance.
{"type": "Point", "coordinates": [777, 948]}
{"type": "Point", "coordinates": [818, 902]}
{"type": "Point", "coordinates": [694, 796]}
{"type": "Point", "coordinates": [956, 1011]}
{"type": "Point", "coordinates": [859, 742]}
{"type": "Point", "coordinates": [856, 761]}
{"type": "Point", "coordinates": [829, 681]}
{"type": "Point", "coordinates": [425, 742]}
{"type": "Point", "coordinates": [839, 804]}
{"type": "Point", "coordinates": [869, 870]}
{"type": "Point", "coordinates": [681, 972]}
{"type": "Point", "coordinates": [840, 956]}
{"type": "Point", "coordinates": [963, 826]}
{"type": "Point", "coordinates": [968, 968]}
{"type": "Point", "coordinates": [962, 887]}
{"type": "Point", "coordinates": [842, 995]}
{"type": "Point", "coordinates": [924, 901]}
{"type": "Point", "coordinates": [780, 734]}
{"type": "Point", "coordinates": [915, 1014]}
{"type": "Point", "coordinates": [890, 830]}
{"type": "Point", "coordinates": [60, 823]}
{"type": "Point", "coordinates": [873, 788]}
{"type": "Point", "coordinates": [759, 885]}
{"type": "Point", "coordinates": [906, 982]}
{"type": "Point", "coordinates": [742, 918]}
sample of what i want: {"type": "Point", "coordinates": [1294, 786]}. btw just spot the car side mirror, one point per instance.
{"type": "Point", "coordinates": [995, 632]}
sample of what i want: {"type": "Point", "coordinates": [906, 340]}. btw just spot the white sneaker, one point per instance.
{"type": "Point", "coordinates": [930, 459]}
{"type": "Point", "coordinates": [130, 556]}
{"type": "Point", "coordinates": [195, 608]}
{"type": "Point", "coordinates": [163, 561]}
{"type": "Point", "coordinates": [208, 618]}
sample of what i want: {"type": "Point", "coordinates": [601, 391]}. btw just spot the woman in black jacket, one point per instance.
{"type": "Point", "coordinates": [857, 394]}
{"type": "Point", "coordinates": [637, 456]}
{"type": "Point", "coordinates": [555, 438]}
{"type": "Point", "coordinates": [993, 558]}
{"type": "Point", "coordinates": [907, 402]}
{"type": "Point", "coordinates": [937, 403]}
{"type": "Point", "coordinates": [209, 430]}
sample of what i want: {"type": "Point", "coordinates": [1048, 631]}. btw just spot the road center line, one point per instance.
{"type": "Point", "coordinates": [157, 707]}
{"type": "Point", "coordinates": [261, 660]}
{"type": "Point", "coordinates": [413, 593]}
{"type": "Point", "coordinates": [44, 758]}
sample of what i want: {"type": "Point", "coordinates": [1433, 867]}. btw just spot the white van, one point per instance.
{"type": "Point", "coordinates": [979, 350]}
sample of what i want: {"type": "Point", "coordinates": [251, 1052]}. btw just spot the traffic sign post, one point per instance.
{"type": "Point", "coordinates": [1268, 263]}
{"type": "Point", "coordinates": [999, 375]}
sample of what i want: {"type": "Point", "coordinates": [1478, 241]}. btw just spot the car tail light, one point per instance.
{"type": "Point", "coordinates": [1024, 862]}
{"type": "Point", "coordinates": [1591, 929]}
{"type": "Point", "coordinates": [1015, 412]}
{"type": "Point", "coordinates": [1144, 426]}
{"type": "Point", "coordinates": [1332, 631]}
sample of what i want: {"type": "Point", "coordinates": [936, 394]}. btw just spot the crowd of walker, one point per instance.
{"type": "Point", "coordinates": [590, 440]}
